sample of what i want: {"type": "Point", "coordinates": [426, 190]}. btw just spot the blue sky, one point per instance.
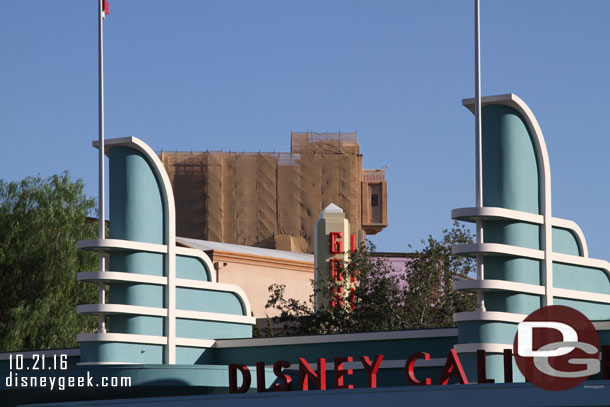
{"type": "Point", "coordinates": [239, 75]}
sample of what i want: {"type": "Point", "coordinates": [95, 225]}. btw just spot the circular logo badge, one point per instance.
{"type": "Point", "coordinates": [556, 348]}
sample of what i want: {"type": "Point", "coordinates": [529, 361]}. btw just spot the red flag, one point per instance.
{"type": "Point", "coordinates": [105, 7]}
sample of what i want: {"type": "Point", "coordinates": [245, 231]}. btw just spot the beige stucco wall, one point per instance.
{"type": "Point", "coordinates": [255, 277]}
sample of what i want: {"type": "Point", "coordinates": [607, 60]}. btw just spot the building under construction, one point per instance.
{"type": "Point", "coordinates": [274, 199]}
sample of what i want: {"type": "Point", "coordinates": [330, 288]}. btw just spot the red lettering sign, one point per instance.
{"type": "Point", "coordinates": [482, 368]}
{"type": "Point", "coordinates": [453, 368]}
{"type": "Point", "coordinates": [340, 373]}
{"type": "Point", "coordinates": [410, 369]}
{"type": "Point", "coordinates": [371, 369]}
{"type": "Point", "coordinates": [336, 246]}
{"type": "Point", "coordinates": [508, 366]}
{"type": "Point", "coordinates": [336, 269]}
{"type": "Point", "coordinates": [305, 372]}
{"type": "Point", "coordinates": [260, 377]}
{"type": "Point", "coordinates": [245, 375]}
{"type": "Point", "coordinates": [284, 378]}
{"type": "Point", "coordinates": [336, 296]}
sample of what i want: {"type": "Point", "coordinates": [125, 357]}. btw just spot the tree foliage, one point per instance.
{"type": "Point", "coordinates": [432, 300]}
{"type": "Point", "coordinates": [40, 222]}
{"type": "Point", "coordinates": [385, 299]}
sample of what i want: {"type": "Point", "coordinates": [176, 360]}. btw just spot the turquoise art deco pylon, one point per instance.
{"type": "Point", "coordinates": [165, 306]}
{"type": "Point", "coordinates": [530, 258]}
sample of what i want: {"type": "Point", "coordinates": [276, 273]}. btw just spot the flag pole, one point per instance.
{"type": "Point", "coordinates": [478, 148]}
{"type": "Point", "coordinates": [101, 192]}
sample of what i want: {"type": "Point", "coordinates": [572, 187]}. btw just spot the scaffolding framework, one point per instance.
{"type": "Point", "coordinates": [268, 199]}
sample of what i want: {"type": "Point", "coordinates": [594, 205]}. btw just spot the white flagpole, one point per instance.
{"type": "Point", "coordinates": [101, 199]}
{"type": "Point", "coordinates": [478, 149]}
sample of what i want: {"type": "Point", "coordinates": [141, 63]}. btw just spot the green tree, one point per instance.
{"type": "Point", "coordinates": [430, 298]}
{"type": "Point", "coordinates": [40, 222]}
{"type": "Point", "coordinates": [384, 299]}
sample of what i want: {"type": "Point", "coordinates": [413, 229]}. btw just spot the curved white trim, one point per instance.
{"type": "Point", "coordinates": [337, 338]}
{"type": "Point", "coordinates": [601, 325]}
{"type": "Point", "coordinates": [162, 312]}
{"type": "Point", "coordinates": [544, 177]}
{"type": "Point", "coordinates": [498, 249]}
{"type": "Point", "coordinates": [127, 338]}
{"type": "Point", "coordinates": [488, 212]}
{"type": "Point", "coordinates": [207, 285]}
{"type": "Point", "coordinates": [169, 211]}
{"type": "Point", "coordinates": [214, 316]}
{"type": "Point", "coordinates": [147, 339]}
{"type": "Point", "coordinates": [120, 309]}
{"type": "Point", "coordinates": [544, 172]}
{"type": "Point", "coordinates": [195, 343]}
{"type": "Point", "coordinates": [201, 255]}
{"type": "Point", "coordinates": [597, 264]}
{"type": "Point", "coordinates": [120, 244]}
{"type": "Point", "coordinates": [487, 347]}
{"type": "Point", "coordinates": [498, 285]}
{"type": "Point", "coordinates": [581, 295]}
{"type": "Point", "coordinates": [489, 316]}
{"type": "Point", "coordinates": [573, 227]}
{"type": "Point", "coordinates": [97, 276]}
{"type": "Point", "coordinates": [501, 285]}
{"type": "Point", "coordinates": [491, 212]}
{"type": "Point", "coordinates": [582, 261]}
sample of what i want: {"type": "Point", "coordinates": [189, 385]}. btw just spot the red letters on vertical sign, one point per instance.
{"type": "Point", "coordinates": [336, 269]}
{"type": "Point", "coordinates": [336, 296]}
{"type": "Point", "coordinates": [336, 246]}
{"type": "Point", "coordinates": [306, 372]}
{"type": "Point", "coordinates": [352, 301]}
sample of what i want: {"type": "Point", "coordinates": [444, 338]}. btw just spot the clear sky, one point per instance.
{"type": "Point", "coordinates": [239, 75]}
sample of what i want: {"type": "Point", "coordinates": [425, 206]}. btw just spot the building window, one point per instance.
{"type": "Point", "coordinates": [374, 200]}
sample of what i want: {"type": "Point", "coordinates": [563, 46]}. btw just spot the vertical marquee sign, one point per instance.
{"type": "Point", "coordinates": [332, 241]}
